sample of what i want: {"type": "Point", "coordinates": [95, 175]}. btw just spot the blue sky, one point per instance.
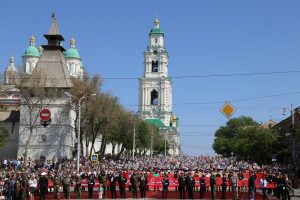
{"type": "Point", "coordinates": [202, 38]}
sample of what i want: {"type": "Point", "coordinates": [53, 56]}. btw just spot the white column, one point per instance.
{"type": "Point", "coordinates": [144, 98]}
{"type": "Point", "coordinates": [162, 98]}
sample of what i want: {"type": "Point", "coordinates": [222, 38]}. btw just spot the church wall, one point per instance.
{"type": "Point", "coordinates": [57, 139]}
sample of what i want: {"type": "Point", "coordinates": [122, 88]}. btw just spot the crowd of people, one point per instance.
{"type": "Point", "coordinates": [190, 176]}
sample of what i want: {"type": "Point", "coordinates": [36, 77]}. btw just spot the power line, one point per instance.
{"type": "Point", "coordinates": [190, 76]}
{"type": "Point", "coordinates": [221, 102]}
{"type": "Point", "coordinates": [236, 74]}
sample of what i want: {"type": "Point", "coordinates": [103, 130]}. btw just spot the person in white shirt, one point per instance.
{"type": "Point", "coordinates": [263, 186]}
{"type": "Point", "coordinates": [32, 187]}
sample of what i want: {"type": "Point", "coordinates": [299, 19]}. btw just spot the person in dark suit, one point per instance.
{"type": "Point", "coordinates": [224, 186]}
{"type": "Point", "coordinates": [91, 184]}
{"type": "Point", "coordinates": [122, 185]}
{"type": "Point", "coordinates": [251, 185]}
{"type": "Point", "coordinates": [112, 181]}
{"type": "Point", "coordinates": [202, 186]}
{"type": "Point", "coordinates": [43, 184]}
{"type": "Point", "coordinates": [181, 185]}
{"type": "Point", "coordinates": [190, 184]}
{"type": "Point", "coordinates": [143, 185]}
{"type": "Point", "coordinates": [165, 183]}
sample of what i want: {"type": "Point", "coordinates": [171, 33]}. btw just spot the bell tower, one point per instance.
{"type": "Point", "coordinates": [155, 87]}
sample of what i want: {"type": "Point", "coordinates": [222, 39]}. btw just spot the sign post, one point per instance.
{"type": "Point", "coordinates": [227, 109]}
{"type": "Point", "coordinates": [45, 116]}
{"type": "Point", "coordinates": [94, 157]}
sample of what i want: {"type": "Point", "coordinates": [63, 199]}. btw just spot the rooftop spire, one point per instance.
{"type": "Point", "coordinates": [54, 38]}
{"type": "Point", "coordinates": [72, 43]}
{"type": "Point", "coordinates": [12, 59]}
{"type": "Point", "coordinates": [156, 22]}
{"type": "Point", "coordinates": [32, 40]}
{"type": "Point", "coordinates": [54, 27]}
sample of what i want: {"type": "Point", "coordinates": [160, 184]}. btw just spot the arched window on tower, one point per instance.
{"type": "Point", "coordinates": [154, 66]}
{"type": "Point", "coordinates": [154, 97]}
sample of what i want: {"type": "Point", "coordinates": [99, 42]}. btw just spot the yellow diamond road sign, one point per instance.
{"type": "Point", "coordinates": [227, 109]}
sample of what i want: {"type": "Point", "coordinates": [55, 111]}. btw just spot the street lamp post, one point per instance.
{"type": "Point", "coordinates": [166, 142]}
{"type": "Point", "coordinates": [133, 145]}
{"type": "Point", "coordinates": [78, 125]}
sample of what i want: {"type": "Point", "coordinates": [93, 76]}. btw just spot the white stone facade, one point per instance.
{"type": "Point", "coordinates": [155, 88]}
{"type": "Point", "coordinates": [55, 140]}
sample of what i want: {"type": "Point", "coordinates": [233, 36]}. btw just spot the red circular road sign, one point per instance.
{"type": "Point", "coordinates": [45, 114]}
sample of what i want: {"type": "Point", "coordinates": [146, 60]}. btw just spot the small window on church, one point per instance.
{"type": "Point", "coordinates": [155, 40]}
{"type": "Point", "coordinates": [154, 97]}
{"type": "Point", "coordinates": [154, 66]}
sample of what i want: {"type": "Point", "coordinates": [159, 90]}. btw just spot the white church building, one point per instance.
{"type": "Point", "coordinates": [55, 66]}
{"type": "Point", "coordinates": [155, 90]}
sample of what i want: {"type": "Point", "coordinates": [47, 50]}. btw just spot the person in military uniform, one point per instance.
{"type": "Point", "coordinates": [143, 185]}
{"type": "Point", "coordinates": [212, 181]}
{"type": "Point", "coordinates": [102, 178]}
{"type": "Point", "coordinates": [202, 186]}
{"type": "Point", "coordinates": [66, 183]}
{"type": "Point", "coordinates": [181, 185]}
{"type": "Point", "coordinates": [24, 187]}
{"type": "Point", "coordinates": [77, 187]}
{"type": "Point", "coordinates": [134, 184]}
{"type": "Point", "coordinates": [234, 185]}
{"type": "Point", "coordinates": [18, 188]}
{"type": "Point", "coordinates": [190, 184]}
{"type": "Point", "coordinates": [122, 185]}
{"type": "Point", "coordinates": [56, 184]}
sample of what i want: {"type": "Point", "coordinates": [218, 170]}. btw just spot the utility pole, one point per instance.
{"type": "Point", "coordinates": [78, 125]}
{"type": "Point", "coordinates": [151, 145]}
{"type": "Point", "coordinates": [133, 145]}
{"type": "Point", "coordinates": [294, 159]}
{"type": "Point", "coordinates": [166, 142]}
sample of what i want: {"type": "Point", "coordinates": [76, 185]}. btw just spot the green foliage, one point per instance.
{"type": "Point", "coordinates": [104, 117]}
{"type": "Point", "coordinates": [3, 136]}
{"type": "Point", "coordinates": [246, 139]}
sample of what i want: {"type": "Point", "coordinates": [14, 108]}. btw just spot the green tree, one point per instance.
{"type": "Point", "coordinates": [84, 87]}
{"type": "Point", "coordinates": [246, 139]}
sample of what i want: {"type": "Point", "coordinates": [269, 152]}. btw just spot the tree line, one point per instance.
{"type": "Point", "coordinates": [246, 139]}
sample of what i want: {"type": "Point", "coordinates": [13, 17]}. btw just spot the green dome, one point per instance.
{"type": "Point", "coordinates": [32, 51]}
{"type": "Point", "coordinates": [156, 31]}
{"type": "Point", "coordinates": [72, 53]}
